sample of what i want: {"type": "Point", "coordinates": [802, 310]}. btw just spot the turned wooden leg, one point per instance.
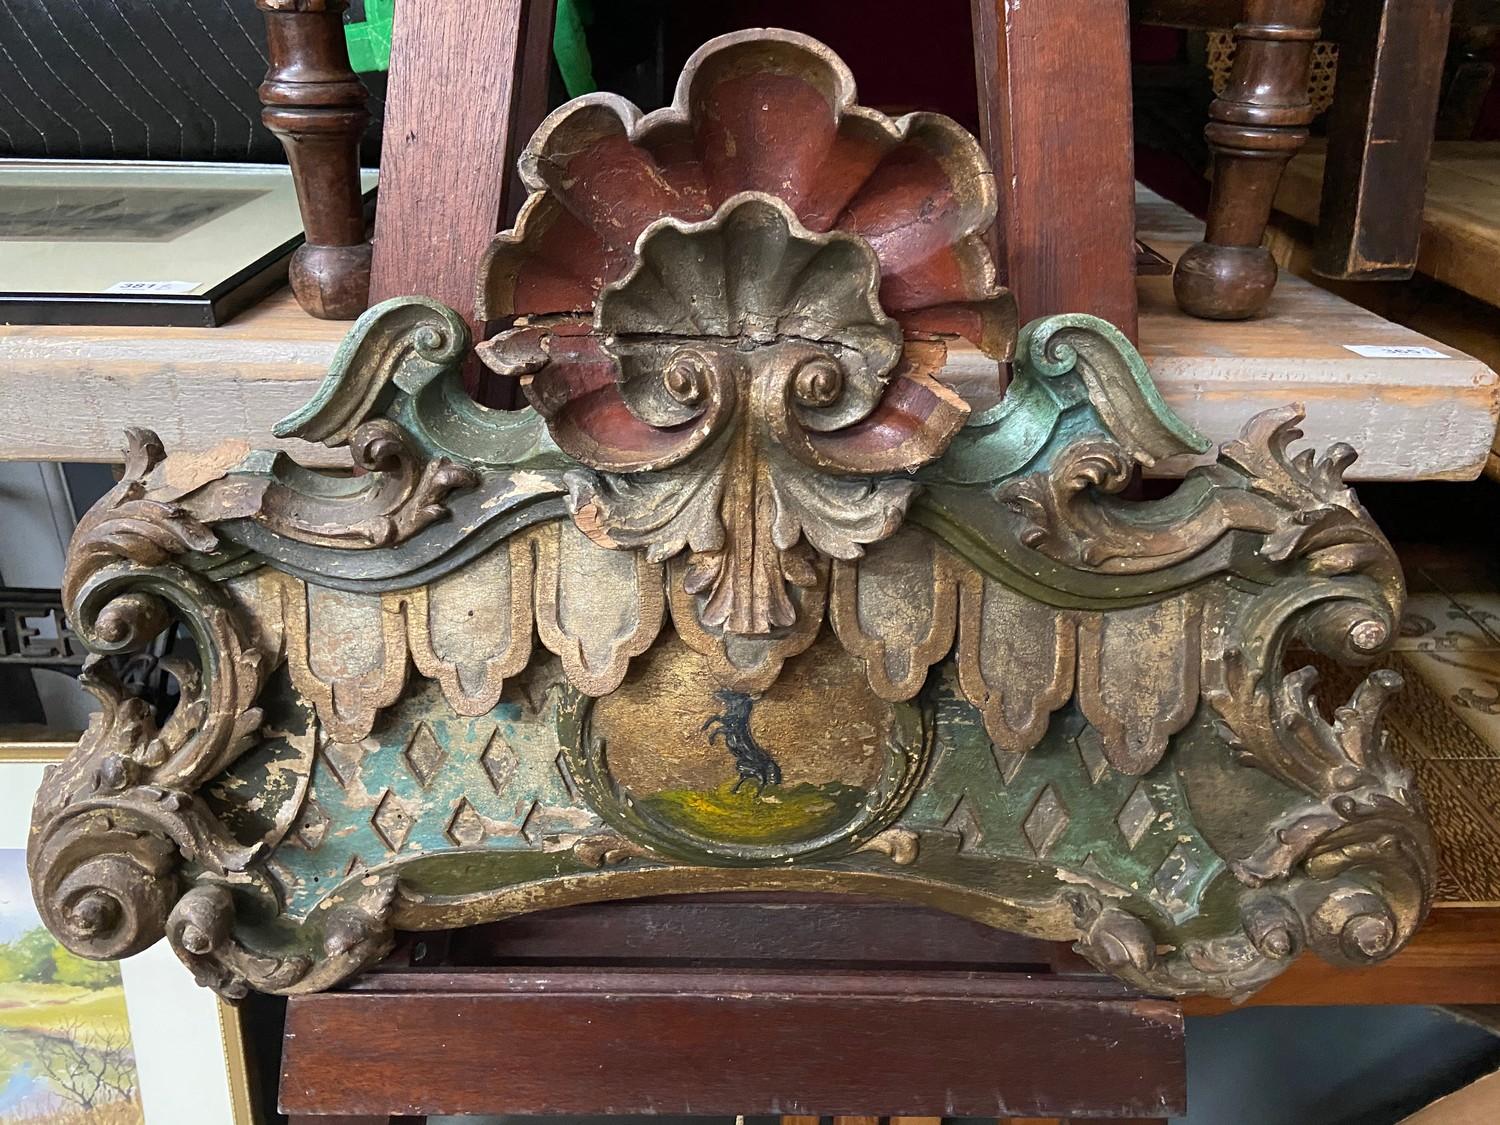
{"type": "Point", "coordinates": [1253, 130]}
{"type": "Point", "coordinates": [315, 105]}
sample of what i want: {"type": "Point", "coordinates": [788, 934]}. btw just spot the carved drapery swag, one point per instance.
{"type": "Point", "coordinates": [759, 593]}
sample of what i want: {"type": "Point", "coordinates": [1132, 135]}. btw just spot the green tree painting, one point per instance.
{"type": "Point", "coordinates": [66, 1056]}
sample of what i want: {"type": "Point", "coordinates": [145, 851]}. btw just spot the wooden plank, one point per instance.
{"type": "Point", "coordinates": [1380, 134]}
{"type": "Point", "coordinates": [1054, 110]}
{"type": "Point", "coordinates": [1410, 418]}
{"type": "Point", "coordinates": [1454, 958]}
{"type": "Point", "coordinates": [67, 393]}
{"type": "Point", "coordinates": [445, 153]}
{"type": "Point", "coordinates": [531, 103]}
{"type": "Point", "coordinates": [1460, 239]}
{"type": "Point", "coordinates": [715, 1042]}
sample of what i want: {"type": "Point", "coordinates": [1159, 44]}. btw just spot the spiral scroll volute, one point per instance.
{"type": "Point", "coordinates": [104, 885]}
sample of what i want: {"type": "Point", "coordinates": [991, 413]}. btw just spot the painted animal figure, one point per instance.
{"type": "Point", "coordinates": [732, 727]}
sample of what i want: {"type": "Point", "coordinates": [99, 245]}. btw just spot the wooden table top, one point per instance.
{"type": "Point", "coordinates": [67, 393]}
{"type": "Point", "coordinates": [1460, 222]}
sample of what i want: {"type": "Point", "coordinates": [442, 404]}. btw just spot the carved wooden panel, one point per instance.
{"type": "Point", "coordinates": [748, 598]}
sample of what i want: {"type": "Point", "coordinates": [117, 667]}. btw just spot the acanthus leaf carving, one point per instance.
{"type": "Point", "coordinates": [131, 783]}
{"type": "Point", "coordinates": [1356, 850]}
{"type": "Point", "coordinates": [758, 400]}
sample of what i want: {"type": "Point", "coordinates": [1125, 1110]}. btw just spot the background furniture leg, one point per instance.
{"type": "Point", "coordinates": [315, 104]}
{"type": "Point", "coordinates": [1253, 130]}
{"type": "Point", "coordinates": [1469, 71]}
{"type": "Point", "coordinates": [1054, 115]}
{"type": "Point", "coordinates": [1380, 135]}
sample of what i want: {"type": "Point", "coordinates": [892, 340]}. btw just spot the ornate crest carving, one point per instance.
{"type": "Point", "coordinates": [750, 597]}
{"type": "Point", "coordinates": [744, 387]}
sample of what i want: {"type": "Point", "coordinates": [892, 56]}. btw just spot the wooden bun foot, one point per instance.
{"type": "Point", "coordinates": [1224, 282]}
{"type": "Point", "coordinates": [331, 282]}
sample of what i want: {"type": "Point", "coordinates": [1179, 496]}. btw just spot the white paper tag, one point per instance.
{"type": "Point", "coordinates": [1396, 351]}
{"type": "Point", "coordinates": [152, 287]}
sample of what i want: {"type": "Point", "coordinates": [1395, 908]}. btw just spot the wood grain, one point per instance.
{"type": "Point", "coordinates": [696, 1041]}
{"type": "Point", "coordinates": [750, 930]}
{"type": "Point", "coordinates": [1460, 236]}
{"type": "Point", "coordinates": [531, 103]}
{"type": "Point", "coordinates": [316, 107]}
{"type": "Point", "coordinates": [1054, 111]}
{"type": "Point", "coordinates": [1453, 959]}
{"type": "Point", "coordinates": [447, 144]}
{"type": "Point", "coordinates": [1390, 69]}
{"type": "Point", "coordinates": [1255, 125]}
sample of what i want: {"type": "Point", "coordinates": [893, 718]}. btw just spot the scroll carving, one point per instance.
{"type": "Point", "coordinates": [808, 618]}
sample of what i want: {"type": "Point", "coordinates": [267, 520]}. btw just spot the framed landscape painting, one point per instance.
{"type": "Point", "coordinates": [98, 1043]}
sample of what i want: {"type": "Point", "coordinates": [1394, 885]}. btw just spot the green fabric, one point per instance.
{"type": "Point", "coordinates": [571, 49]}
{"type": "Point", "coordinates": [370, 40]}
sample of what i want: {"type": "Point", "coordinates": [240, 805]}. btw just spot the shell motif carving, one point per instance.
{"type": "Point", "coordinates": [739, 347]}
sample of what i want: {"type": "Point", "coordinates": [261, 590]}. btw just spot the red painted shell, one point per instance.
{"type": "Point", "coordinates": [771, 112]}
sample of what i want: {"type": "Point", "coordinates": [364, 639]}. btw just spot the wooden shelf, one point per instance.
{"type": "Point", "coordinates": [67, 393]}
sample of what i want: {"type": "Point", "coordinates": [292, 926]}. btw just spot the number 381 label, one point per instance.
{"type": "Point", "coordinates": [169, 287]}
{"type": "Point", "coordinates": [1396, 351]}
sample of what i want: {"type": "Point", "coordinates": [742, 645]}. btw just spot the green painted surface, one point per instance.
{"type": "Point", "coordinates": [428, 787]}
{"type": "Point", "coordinates": [1054, 399]}
{"type": "Point", "coordinates": [428, 781]}
{"type": "Point", "coordinates": [370, 39]}
{"type": "Point", "coordinates": [1061, 803]}
{"type": "Point", "coordinates": [468, 807]}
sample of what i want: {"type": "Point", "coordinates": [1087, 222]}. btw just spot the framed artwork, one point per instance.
{"type": "Point", "coordinates": [100, 1043]}
{"type": "Point", "coordinates": [179, 244]}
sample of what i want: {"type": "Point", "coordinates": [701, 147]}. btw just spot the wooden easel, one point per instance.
{"type": "Point", "coordinates": [744, 1004]}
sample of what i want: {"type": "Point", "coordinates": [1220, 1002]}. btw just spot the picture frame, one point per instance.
{"type": "Point", "coordinates": [183, 244]}
{"type": "Point", "coordinates": [138, 1032]}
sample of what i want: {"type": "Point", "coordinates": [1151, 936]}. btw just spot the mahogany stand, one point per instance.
{"type": "Point", "coordinates": [733, 1004]}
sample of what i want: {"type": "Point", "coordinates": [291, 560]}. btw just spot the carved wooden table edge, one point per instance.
{"type": "Point", "coordinates": [742, 499]}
